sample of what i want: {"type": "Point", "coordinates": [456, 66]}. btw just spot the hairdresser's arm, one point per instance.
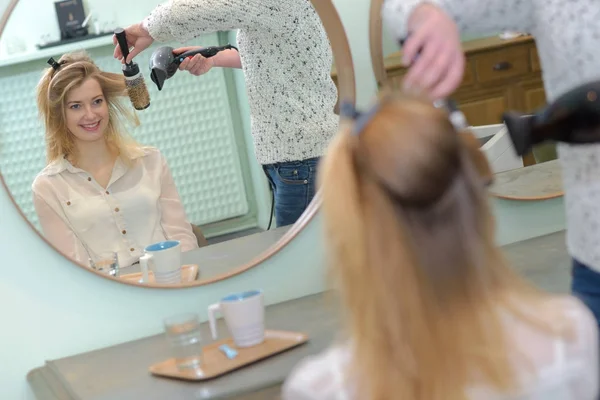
{"type": "Point", "coordinates": [228, 59]}
{"type": "Point", "coordinates": [57, 232]}
{"type": "Point", "coordinates": [182, 20]}
{"type": "Point", "coordinates": [173, 219]}
{"type": "Point", "coordinates": [186, 19]}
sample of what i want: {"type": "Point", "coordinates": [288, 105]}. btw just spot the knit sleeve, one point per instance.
{"type": "Point", "coordinates": [183, 20]}
{"type": "Point", "coordinates": [471, 16]}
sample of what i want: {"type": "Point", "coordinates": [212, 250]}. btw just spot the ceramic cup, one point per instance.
{"type": "Point", "coordinates": [164, 260]}
{"type": "Point", "coordinates": [244, 315]}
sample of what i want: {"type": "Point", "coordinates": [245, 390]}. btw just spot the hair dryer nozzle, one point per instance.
{"type": "Point", "coordinates": [158, 76]}
{"type": "Point", "coordinates": [519, 128]}
{"type": "Point", "coordinates": [162, 65]}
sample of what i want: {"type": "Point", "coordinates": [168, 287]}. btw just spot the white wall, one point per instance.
{"type": "Point", "coordinates": [33, 19]}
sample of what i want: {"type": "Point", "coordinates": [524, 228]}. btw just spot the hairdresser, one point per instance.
{"type": "Point", "coordinates": [567, 42]}
{"type": "Point", "coordinates": [286, 59]}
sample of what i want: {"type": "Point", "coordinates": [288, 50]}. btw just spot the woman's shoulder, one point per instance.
{"type": "Point", "coordinates": [571, 315]}
{"type": "Point", "coordinates": [46, 176]}
{"type": "Point", "coordinates": [574, 310]}
{"type": "Point", "coordinates": [319, 376]}
{"type": "Point", "coordinates": [150, 153]}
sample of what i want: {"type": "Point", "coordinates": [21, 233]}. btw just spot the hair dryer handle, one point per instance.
{"type": "Point", "coordinates": [206, 52]}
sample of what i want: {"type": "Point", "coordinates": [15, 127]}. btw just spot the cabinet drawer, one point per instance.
{"type": "Point", "coordinates": [484, 111]}
{"type": "Point", "coordinates": [396, 76]}
{"type": "Point", "coordinates": [502, 64]}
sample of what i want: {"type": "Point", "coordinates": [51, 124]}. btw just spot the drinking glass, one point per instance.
{"type": "Point", "coordinates": [184, 337]}
{"type": "Point", "coordinates": [106, 263]}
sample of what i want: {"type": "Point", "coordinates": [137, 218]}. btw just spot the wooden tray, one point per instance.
{"type": "Point", "coordinates": [215, 363]}
{"type": "Point", "coordinates": [189, 273]}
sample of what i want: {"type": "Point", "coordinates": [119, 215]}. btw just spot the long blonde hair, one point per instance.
{"type": "Point", "coordinates": [411, 240]}
{"type": "Point", "coordinates": [52, 92]}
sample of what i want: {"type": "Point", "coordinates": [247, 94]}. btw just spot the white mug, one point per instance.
{"type": "Point", "coordinates": [164, 259]}
{"type": "Point", "coordinates": [244, 315]}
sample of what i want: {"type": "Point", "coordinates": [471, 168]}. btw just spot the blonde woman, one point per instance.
{"type": "Point", "coordinates": [432, 309]}
{"type": "Point", "coordinates": [100, 191]}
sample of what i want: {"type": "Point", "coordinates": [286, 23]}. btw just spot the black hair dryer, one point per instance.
{"type": "Point", "coordinates": [164, 62]}
{"type": "Point", "coordinates": [572, 118]}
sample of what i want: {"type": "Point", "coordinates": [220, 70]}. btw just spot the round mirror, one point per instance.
{"type": "Point", "coordinates": [221, 175]}
{"type": "Point", "coordinates": [483, 99]}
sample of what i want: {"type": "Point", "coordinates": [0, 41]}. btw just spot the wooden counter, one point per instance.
{"type": "Point", "coordinates": [536, 182]}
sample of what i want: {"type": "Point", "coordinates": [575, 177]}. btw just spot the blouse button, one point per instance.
{"type": "Point", "coordinates": [68, 203]}
{"type": "Point", "coordinates": [132, 249]}
{"type": "Point", "coordinates": [123, 231]}
{"type": "Point", "coordinates": [89, 179]}
{"type": "Point", "coordinates": [117, 209]}
{"type": "Point", "coordinates": [107, 192]}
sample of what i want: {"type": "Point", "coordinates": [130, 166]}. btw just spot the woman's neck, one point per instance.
{"type": "Point", "coordinates": [92, 156]}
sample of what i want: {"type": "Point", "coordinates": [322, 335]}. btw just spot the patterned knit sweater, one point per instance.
{"type": "Point", "coordinates": [567, 34]}
{"type": "Point", "coordinates": [286, 58]}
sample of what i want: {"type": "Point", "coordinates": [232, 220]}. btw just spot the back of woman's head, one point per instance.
{"type": "Point", "coordinates": [70, 72]}
{"type": "Point", "coordinates": [412, 250]}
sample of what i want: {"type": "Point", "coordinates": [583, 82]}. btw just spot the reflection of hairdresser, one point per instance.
{"type": "Point", "coordinates": [433, 309]}
{"type": "Point", "coordinates": [100, 191]}
{"type": "Point", "coordinates": [567, 36]}
{"type": "Point", "coordinates": [287, 60]}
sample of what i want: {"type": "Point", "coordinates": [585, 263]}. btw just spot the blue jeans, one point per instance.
{"type": "Point", "coordinates": [293, 184]}
{"type": "Point", "coordinates": [585, 285]}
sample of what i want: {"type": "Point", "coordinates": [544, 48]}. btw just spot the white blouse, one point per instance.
{"type": "Point", "coordinates": [140, 206]}
{"type": "Point", "coordinates": [564, 369]}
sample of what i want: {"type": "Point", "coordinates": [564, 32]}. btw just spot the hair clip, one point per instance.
{"type": "Point", "coordinates": [361, 119]}
{"type": "Point", "coordinates": [53, 63]}
{"type": "Point", "coordinates": [456, 117]}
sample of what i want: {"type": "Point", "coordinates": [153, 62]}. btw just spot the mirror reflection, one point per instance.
{"type": "Point", "coordinates": [502, 73]}
{"type": "Point", "coordinates": [178, 154]}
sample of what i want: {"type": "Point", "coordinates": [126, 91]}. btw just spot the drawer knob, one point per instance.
{"type": "Point", "coordinates": [502, 66]}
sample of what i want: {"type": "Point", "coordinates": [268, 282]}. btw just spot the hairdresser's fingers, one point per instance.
{"type": "Point", "coordinates": [452, 79]}
{"type": "Point", "coordinates": [139, 45]}
{"type": "Point", "coordinates": [184, 64]}
{"type": "Point", "coordinates": [439, 67]}
{"type": "Point", "coordinates": [423, 65]}
{"type": "Point", "coordinates": [189, 63]}
{"type": "Point", "coordinates": [131, 37]}
{"type": "Point", "coordinates": [202, 66]}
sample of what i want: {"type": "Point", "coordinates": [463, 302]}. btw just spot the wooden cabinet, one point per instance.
{"type": "Point", "coordinates": [499, 75]}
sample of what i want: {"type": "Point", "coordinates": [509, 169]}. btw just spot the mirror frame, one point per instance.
{"type": "Point", "coordinates": [376, 43]}
{"type": "Point", "coordinates": [381, 78]}
{"type": "Point", "coordinates": [346, 92]}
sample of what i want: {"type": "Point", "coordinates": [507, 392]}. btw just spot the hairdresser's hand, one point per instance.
{"type": "Point", "coordinates": [138, 37]}
{"type": "Point", "coordinates": [434, 52]}
{"type": "Point", "coordinates": [196, 65]}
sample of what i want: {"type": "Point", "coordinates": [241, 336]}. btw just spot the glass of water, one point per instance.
{"type": "Point", "coordinates": [184, 337]}
{"type": "Point", "coordinates": [106, 263]}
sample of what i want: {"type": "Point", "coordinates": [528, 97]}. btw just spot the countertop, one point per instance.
{"type": "Point", "coordinates": [535, 182]}
{"type": "Point", "coordinates": [121, 372]}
